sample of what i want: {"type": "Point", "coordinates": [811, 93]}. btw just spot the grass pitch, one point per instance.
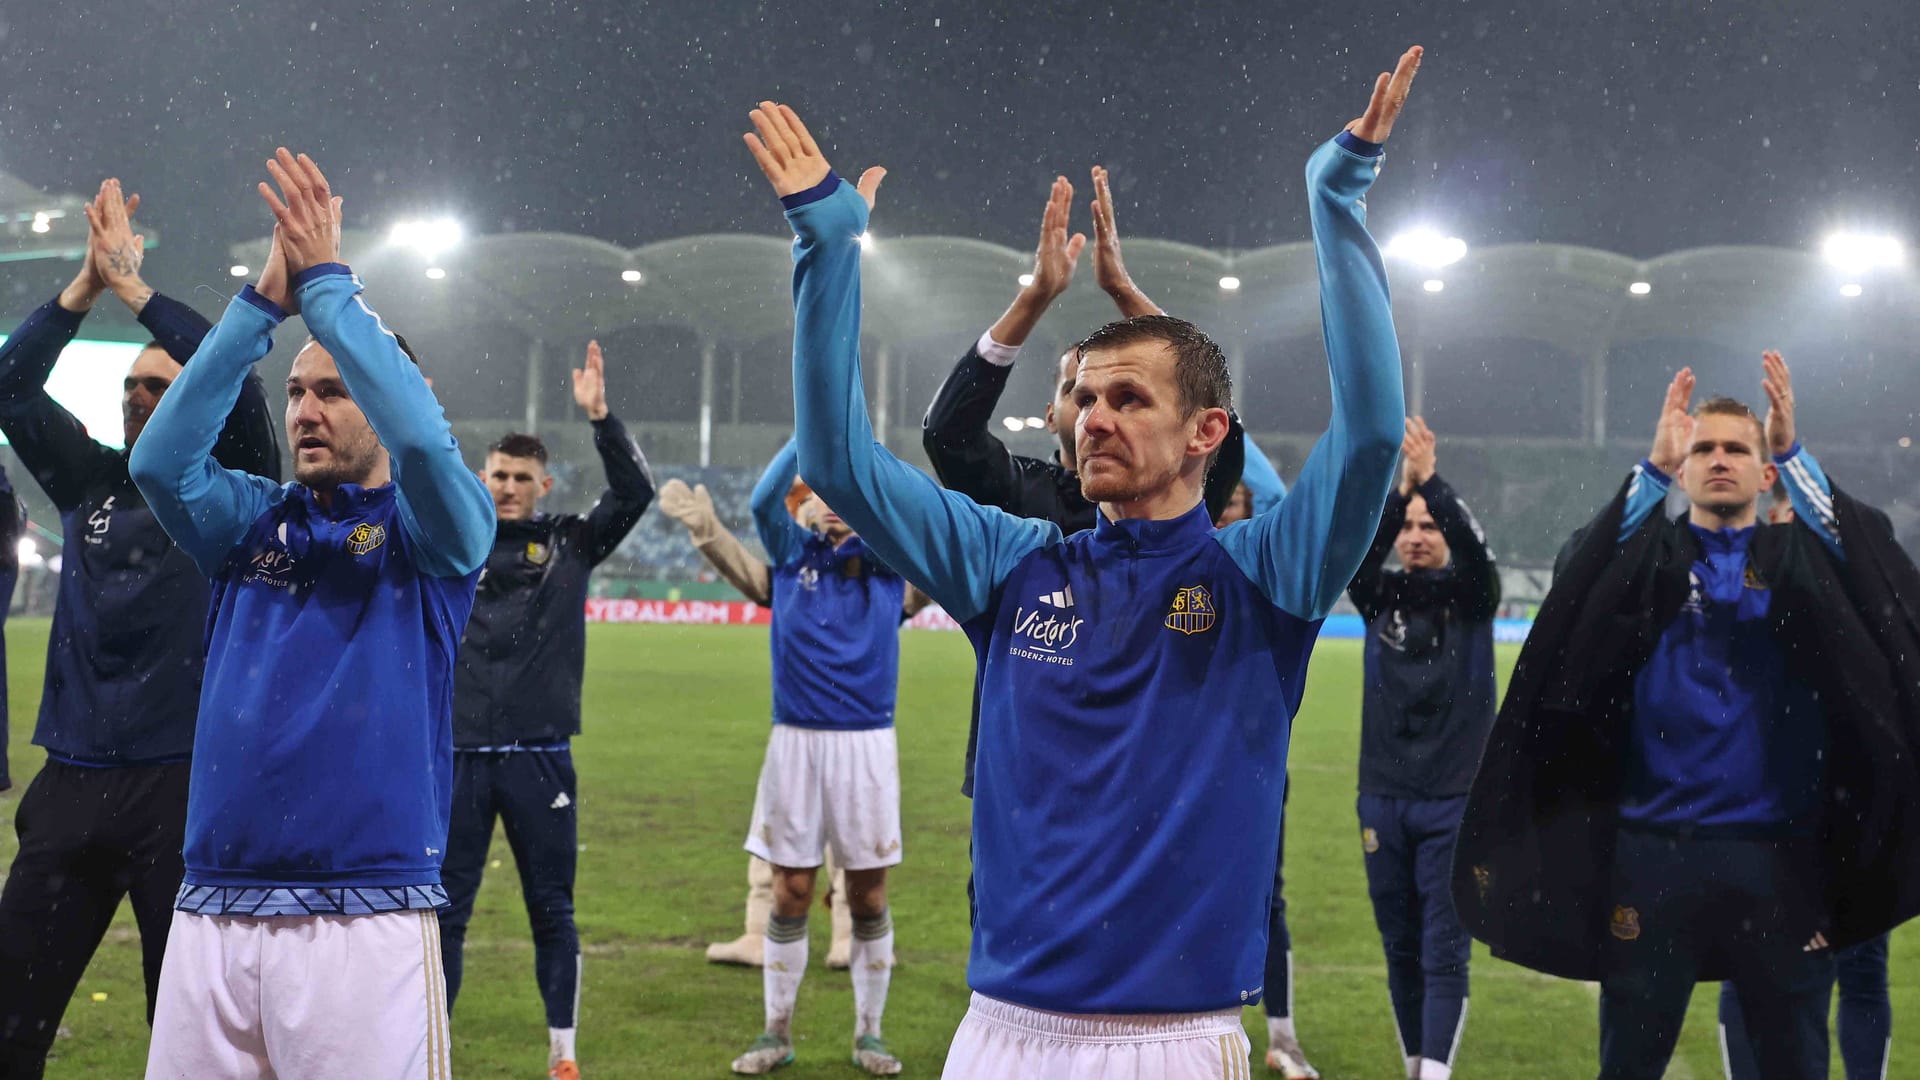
{"type": "Point", "coordinates": [675, 728]}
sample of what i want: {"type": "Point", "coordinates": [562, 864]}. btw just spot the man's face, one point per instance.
{"type": "Point", "coordinates": [1063, 416]}
{"type": "Point", "coordinates": [1133, 431]}
{"type": "Point", "coordinates": [152, 372]}
{"type": "Point", "coordinates": [1726, 470]}
{"type": "Point", "coordinates": [332, 442]}
{"type": "Point", "coordinates": [1239, 508]}
{"type": "Point", "coordinates": [1420, 545]}
{"type": "Point", "coordinates": [517, 485]}
{"type": "Point", "coordinates": [815, 514]}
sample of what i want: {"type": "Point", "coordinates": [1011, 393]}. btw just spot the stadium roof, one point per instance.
{"type": "Point", "coordinates": [38, 225]}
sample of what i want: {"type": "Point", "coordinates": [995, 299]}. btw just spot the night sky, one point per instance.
{"type": "Point", "coordinates": [1639, 127]}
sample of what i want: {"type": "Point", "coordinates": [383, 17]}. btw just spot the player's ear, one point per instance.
{"type": "Point", "coordinates": [546, 484]}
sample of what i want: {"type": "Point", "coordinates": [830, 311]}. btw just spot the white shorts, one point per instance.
{"type": "Point", "coordinates": [301, 997]}
{"type": "Point", "coordinates": [820, 786]}
{"type": "Point", "coordinates": [1001, 1041]}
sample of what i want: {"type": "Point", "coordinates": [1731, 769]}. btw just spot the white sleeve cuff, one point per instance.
{"type": "Point", "coordinates": [995, 353]}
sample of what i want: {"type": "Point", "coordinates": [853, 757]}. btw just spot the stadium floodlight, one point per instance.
{"type": "Point", "coordinates": [435, 273]}
{"type": "Point", "coordinates": [1851, 290]}
{"type": "Point", "coordinates": [1034, 423]}
{"type": "Point", "coordinates": [1230, 283]}
{"type": "Point", "coordinates": [631, 277]}
{"type": "Point", "coordinates": [238, 270]}
{"type": "Point", "coordinates": [1904, 443]}
{"type": "Point", "coordinates": [43, 222]}
{"type": "Point", "coordinates": [28, 551]}
{"type": "Point", "coordinates": [1856, 252]}
{"type": "Point", "coordinates": [1012, 423]}
{"type": "Point", "coordinates": [1026, 280]}
{"type": "Point", "coordinates": [1640, 288]}
{"type": "Point", "coordinates": [1425, 247]}
{"type": "Point", "coordinates": [1433, 285]}
{"type": "Point", "coordinates": [428, 237]}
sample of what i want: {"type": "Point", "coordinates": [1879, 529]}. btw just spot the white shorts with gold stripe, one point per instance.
{"type": "Point", "coordinates": [314, 997]}
{"type": "Point", "coordinates": [1002, 1041]}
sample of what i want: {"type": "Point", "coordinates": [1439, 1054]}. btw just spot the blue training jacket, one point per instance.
{"type": "Point", "coordinates": [323, 760]}
{"type": "Point", "coordinates": [836, 618]}
{"type": "Point", "coordinates": [1131, 759]}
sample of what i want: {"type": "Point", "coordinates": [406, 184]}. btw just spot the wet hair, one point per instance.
{"type": "Point", "coordinates": [1199, 367]}
{"type": "Point", "coordinates": [1726, 406]}
{"type": "Point", "coordinates": [520, 445]}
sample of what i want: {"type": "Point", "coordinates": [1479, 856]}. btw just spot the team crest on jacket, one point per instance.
{"type": "Point", "coordinates": [365, 537]}
{"type": "Point", "coordinates": [1626, 923]}
{"type": "Point", "coordinates": [1192, 611]}
{"type": "Point", "coordinates": [538, 553]}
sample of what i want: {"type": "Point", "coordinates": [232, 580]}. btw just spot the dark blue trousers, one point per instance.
{"type": "Point", "coordinates": [1681, 903]}
{"type": "Point", "coordinates": [533, 792]}
{"type": "Point", "coordinates": [1865, 1017]}
{"type": "Point", "coordinates": [1279, 985]}
{"type": "Point", "coordinates": [1409, 853]}
{"type": "Point", "coordinates": [7, 580]}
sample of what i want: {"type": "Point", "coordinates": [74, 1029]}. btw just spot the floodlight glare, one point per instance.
{"type": "Point", "coordinates": [429, 238]}
{"type": "Point", "coordinates": [435, 273]}
{"type": "Point", "coordinates": [866, 242]}
{"type": "Point", "coordinates": [1851, 290]}
{"type": "Point", "coordinates": [1425, 247]}
{"type": "Point", "coordinates": [1433, 285]}
{"type": "Point", "coordinates": [1230, 283]}
{"type": "Point", "coordinates": [1034, 423]}
{"type": "Point", "coordinates": [1012, 423]}
{"type": "Point", "coordinates": [1640, 288]}
{"type": "Point", "coordinates": [1904, 443]}
{"type": "Point", "coordinates": [1026, 280]}
{"type": "Point", "coordinates": [632, 277]}
{"type": "Point", "coordinates": [42, 222]}
{"type": "Point", "coordinates": [28, 550]}
{"type": "Point", "coordinates": [1855, 252]}
{"type": "Point", "coordinates": [238, 270]}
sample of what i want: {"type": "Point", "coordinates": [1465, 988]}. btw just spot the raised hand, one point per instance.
{"type": "Point", "coordinates": [590, 384]}
{"type": "Point", "coordinates": [274, 282]}
{"type": "Point", "coordinates": [1058, 254]}
{"type": "Point", "coordinates": [1778, 384]}
{"type": "Point", "coordinates": [791, 160]}
{"type": "Point", "coordinates": [1389, 97]}
{"type": "Point", "coordinates": [1674, 437]}
{"type": "Point", "coordinates": [1417, 455]}
{"type": "Point", "coordinates": [1108, 271]}
{"type": "Point", "coordinates": [117, 251]}
{"type": "Point", "coordinates": [686, 505]}
{"type": "Point", "coordinates": [308, 212]}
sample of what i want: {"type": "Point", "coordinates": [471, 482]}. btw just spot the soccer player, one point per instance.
{"type": "Point", "coordinates": [516, 698]}
{"type": "Point", "coordinates": [1700, 771]}
{"type": "Point", "coordinates": [693, 508]}
{"type": "Point", "coordinates": [304, 940]}
{"type": "Point", "coordinates": [1428, 703]}
{"type": "Point", "coordinates": [832, 771]}
{"type": "Point", "coordinates": [103, 818]}
{"type": "Point", "coordinates": [1131, 753]}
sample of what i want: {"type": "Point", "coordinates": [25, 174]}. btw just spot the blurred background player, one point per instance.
{"type": "Point", "coordinates": [1428, 703]}
{"type": "Point", "coordinates": [516, 698]}
{"type": "Point", "coordinates": [106, 814]}
{"type": "Point", "coordinates": [832, 771]}
{"type": "Point", "coordinates": [304, 941]}
{"type": "Point", "coordinates": [1699, 770]}
{"type": "Point", "coordinates": [13, 524]}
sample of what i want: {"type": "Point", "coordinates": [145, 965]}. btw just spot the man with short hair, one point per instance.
{"type": "Point", "coordinates": [103, 819]}
{"type": "Point", "coordinates": [1428, 702]}
{"type": "Point", "coordinates": [1704, 768]}
{"type": "Point", "coordinates": [516, 699]}
{"type": "Point", "coordinates": [304, 940]}
{"type": "Point", "coordinates": [832, 770]}
{"type": "Point", "coordinates": [1131, 755]}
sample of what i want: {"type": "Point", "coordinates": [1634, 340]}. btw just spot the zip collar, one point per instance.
{"type": "Point", "coordinates": [1140, 536]}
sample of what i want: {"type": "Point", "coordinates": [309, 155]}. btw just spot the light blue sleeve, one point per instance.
{"type": "Point", "coordinates": [1262, 479]}
{"type": "Point", "coordinates": [206, 509]}
{"type": "Point", "coordinates": [1303, 553]}
{"type": "Point", "coordinates": [1646, 492]}
{"type": "Point", "coordinates": [1812, 495]}
{"type": "Point", "coordinates": [779, 533]}
{"type": "Point", "coordinates": [444, 507]}
{"type": "Point", "coordinates": [953, 548]}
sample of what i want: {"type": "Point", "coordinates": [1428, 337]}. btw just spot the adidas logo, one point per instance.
{"type": "Point", "coordinates": [1061, 599]}
{"type": "Point", "coordinates": [560, 802]}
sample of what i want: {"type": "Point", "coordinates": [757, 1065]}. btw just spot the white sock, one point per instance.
{"type": "Point", "coordinates": [786, 962]}
{"type": "Point", "coordinates": [1413, 1068]}
{"type": "Point", "coordinates": [1434, 1070]}
{"type": "Point", "coordinates": [1279, 1027]}
{"type": "Point", "coordinates": [872, 964]}
{"type": "Point", "coordinates": [560, 1045]}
